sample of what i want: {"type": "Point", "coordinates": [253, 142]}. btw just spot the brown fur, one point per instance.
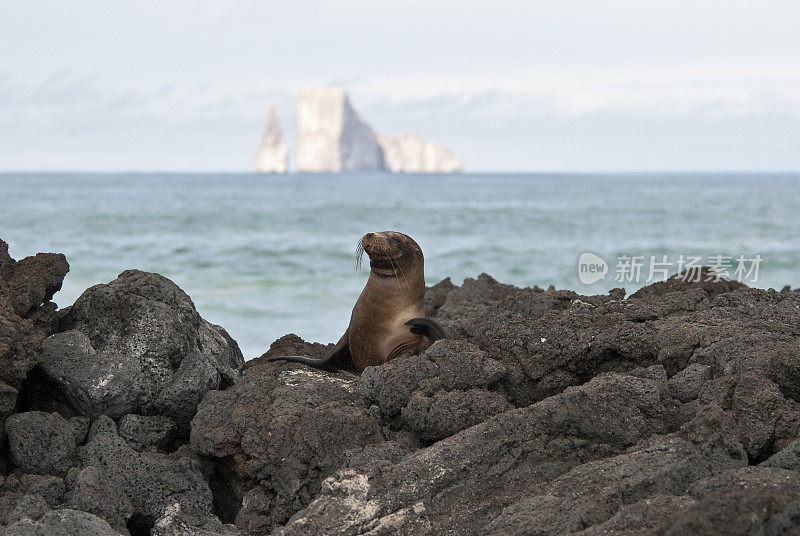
{"type": "Point", "coordinates": [381, 322]}
{"type": "Point", "coordinates": [393, 295]}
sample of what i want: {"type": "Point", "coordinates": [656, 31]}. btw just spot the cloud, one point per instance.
{"type": "Point", "coordinates": [720, 92]}
{"type": "Point", "coordinates": [736, 92]}
{"type": "Point", "coordinates": [556, 120]}
{"type": "Point", "coordinates": [67, 95]}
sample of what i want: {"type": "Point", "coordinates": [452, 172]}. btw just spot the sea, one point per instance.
{"type": "Point", "coordinates": [266, 255]}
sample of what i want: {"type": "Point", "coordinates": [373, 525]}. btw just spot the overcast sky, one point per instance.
{"type": "Point", "coordinates": [510, 86]}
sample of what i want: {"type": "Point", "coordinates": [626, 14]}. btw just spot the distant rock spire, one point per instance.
{"type": "Point", "coordinates": [273, 154]}
{"type": "Point", "coordinates": [332, 136]}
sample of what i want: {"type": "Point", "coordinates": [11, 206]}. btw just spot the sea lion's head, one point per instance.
{"type": "Point", "coordinates": [391, 254]}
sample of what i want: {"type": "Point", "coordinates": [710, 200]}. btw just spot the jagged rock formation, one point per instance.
{"type": "Point", "coordinates": [134, 350]}
{"type": "Point", "coordinates": [332, 136]}
{"type": "Point", "coordinates": [673, 411]}
{"type": "Point", "coordinates": [27, 316]}
{"type": "Point", "coordinates": [412, 154]}
{"type": "Point", "coordinates": [134, 345]}
{"type": "Point", "coordinates": [272, 155]}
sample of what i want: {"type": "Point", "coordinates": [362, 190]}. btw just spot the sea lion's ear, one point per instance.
{"type": "Point", "coordinates": [427, 327]}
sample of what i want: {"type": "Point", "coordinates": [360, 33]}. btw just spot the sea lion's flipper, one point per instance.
{"type": "Point", "coordinates": [428, 327]}
{"type": "Point", "coordinates": [338, 358]}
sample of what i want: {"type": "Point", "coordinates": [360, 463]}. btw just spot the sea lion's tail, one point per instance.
{"type": "Point", "coordinates": [338, 358]}
{"type": "Point", "coordinates": [315, 362]}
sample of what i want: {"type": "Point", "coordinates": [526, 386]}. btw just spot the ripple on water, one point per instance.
{"type": "Point", "coordinates": [264, 256]}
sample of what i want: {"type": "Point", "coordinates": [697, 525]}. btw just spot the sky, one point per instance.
{"type": "Point", "coordinates": [534, 86]}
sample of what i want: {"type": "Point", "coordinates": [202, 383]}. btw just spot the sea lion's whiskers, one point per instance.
{"type": "Point", "coordinates": [359, 256]}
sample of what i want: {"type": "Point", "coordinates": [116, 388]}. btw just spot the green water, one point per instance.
{"type": "Point", "coordinates": [264, 256]}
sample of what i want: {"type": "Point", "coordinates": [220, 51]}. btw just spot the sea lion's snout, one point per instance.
{"type": "Point", "coordinates": [376, 244]}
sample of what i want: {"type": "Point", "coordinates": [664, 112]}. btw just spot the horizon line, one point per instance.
{"type": "Point", "coordinates": [390, 174]}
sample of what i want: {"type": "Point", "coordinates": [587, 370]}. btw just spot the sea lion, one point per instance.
{"type": "Point", "coordinates": [387, 321]}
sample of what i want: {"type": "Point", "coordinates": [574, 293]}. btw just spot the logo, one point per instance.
{"type": "Point", "coordinates": [591, 268]}
{"type": "Point", "coordinates": [637, 270]}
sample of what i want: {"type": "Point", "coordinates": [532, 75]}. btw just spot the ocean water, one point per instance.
{"type": "Point", "coordinates": [268, 255]}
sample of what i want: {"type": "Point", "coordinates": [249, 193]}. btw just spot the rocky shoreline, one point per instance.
{"type": "Point", "coordinates": [672, 411]}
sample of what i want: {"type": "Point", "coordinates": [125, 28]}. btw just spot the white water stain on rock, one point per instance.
{"type": "Point", "coordinates": [105, 381]}
{"type": "Point", "coordinates": [349, 493]}
{"type": "Point", "coordinates": [170, 513]}
{"type": "Point", "coordinates": [296, 377]}
{"type": "Point", "coordinates": [355, 488]}
{"type": "Point", "coordinates": [391, 523]}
